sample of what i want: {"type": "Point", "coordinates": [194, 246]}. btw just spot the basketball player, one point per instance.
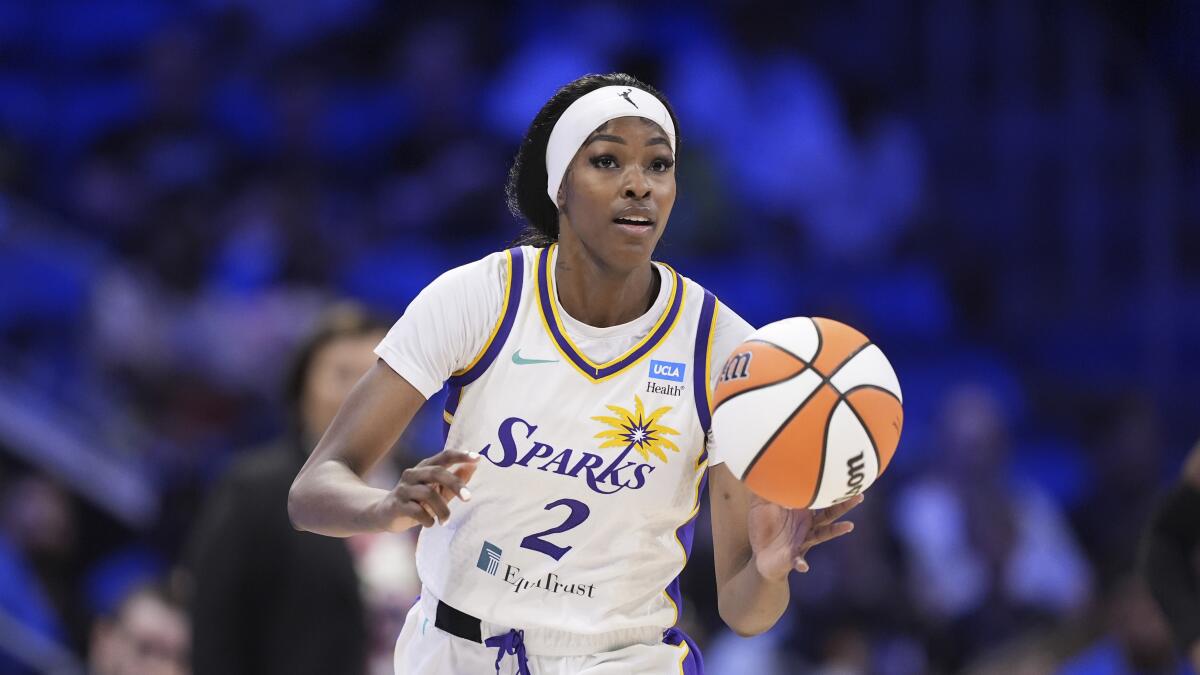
{"type": "Point", "coordinates": [579, 375]}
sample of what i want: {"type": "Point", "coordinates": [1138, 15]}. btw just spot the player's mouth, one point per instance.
{"type": "Point", "coordinates": [635, 221]}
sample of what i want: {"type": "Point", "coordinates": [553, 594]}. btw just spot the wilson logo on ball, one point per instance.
{"type": "Point", "coordinates": [737, 367]}
{"type": "Point", "coordinates": [854, 484]}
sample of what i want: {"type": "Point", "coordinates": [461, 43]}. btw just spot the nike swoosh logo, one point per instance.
{"type": "Point", "coordinates": [522, 361]}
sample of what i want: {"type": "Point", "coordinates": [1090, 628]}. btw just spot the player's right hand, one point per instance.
{"type": "Point", "coordinates": [423, 492]}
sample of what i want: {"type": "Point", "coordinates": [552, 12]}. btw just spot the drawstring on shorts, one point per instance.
{"type": "Point", "coordinates": [511, 643]}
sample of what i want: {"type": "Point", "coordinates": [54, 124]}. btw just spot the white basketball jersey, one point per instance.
{"type": "Point", "coordinates": [582, 505]}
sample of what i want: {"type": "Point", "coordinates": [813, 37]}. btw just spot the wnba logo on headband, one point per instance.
{"type": "Point", "coordinates": [591, 110]}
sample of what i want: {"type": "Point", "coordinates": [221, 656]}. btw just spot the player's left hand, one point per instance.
{"type": "Point", "coordinates": [781, 537]}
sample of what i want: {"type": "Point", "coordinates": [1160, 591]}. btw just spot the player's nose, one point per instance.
{"type": "Point", "coordinates": [635, 185]}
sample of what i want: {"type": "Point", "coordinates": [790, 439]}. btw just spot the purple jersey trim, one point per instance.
{"type": "Point", "coordinates": [686, 533]}
{"type": "Point", "coordinates": [546, 304]}
{"type": "Point", "coordinates": [517, 279]}
{"type": "Point", "coordinates": [700, 360]}
{"type": "Point", "coordinates": [455, 383]}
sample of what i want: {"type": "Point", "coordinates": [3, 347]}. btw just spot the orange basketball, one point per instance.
{"type": "Point", "coordinates": [807, 412]}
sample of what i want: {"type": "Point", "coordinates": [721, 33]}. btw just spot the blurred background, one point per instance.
{"type": "Point", "coordinates": [1004, 194]}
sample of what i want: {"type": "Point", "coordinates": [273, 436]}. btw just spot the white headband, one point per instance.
{"type": "Point", "coordinates": [591, 110]}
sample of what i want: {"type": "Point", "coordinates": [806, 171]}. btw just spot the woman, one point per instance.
{"type": "Point", "coordinates": [579, 376]}
{"type": "Point", "coordinates": [246, 608]}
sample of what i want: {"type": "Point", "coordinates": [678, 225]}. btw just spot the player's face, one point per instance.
{"type": "Point", "coordinates": [619, 190]}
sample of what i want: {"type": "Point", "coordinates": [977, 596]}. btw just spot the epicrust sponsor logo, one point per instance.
{"type": "Point", "coordinates": [489, 558]}
{"type": "Point", "coordinates": [549, 582]}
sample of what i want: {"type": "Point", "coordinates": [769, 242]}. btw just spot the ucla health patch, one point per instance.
{"type": "Point", "coordinates": [667, 370]}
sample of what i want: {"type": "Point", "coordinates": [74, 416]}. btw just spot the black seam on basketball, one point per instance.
{"type": "Point", "coordinates": [824, 451]}
{"type": "Point", "coordinates": [846, 360]}
{"type": "Point", "coordinates": [867, 429]}
{"type": "Point", "coordinates": [876, 387]}
{"type": "Point", "coordinates": [820, 341]}
{"type": "Point", "coordinates": [782, 349]}
{"type": "Point", "coordinates": [758, 455]}
{"type": "Point", "coordinates": [761, 386]}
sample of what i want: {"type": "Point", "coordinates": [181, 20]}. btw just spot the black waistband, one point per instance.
{"type": "Point", "coordinates": [458, 623]}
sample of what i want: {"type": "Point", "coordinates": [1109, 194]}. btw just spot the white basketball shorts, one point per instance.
{"type": "Point", "coordinates": [425, 649]}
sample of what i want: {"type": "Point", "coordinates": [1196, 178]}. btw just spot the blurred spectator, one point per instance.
{"type": "Point", "coordinates": [183, 185]}
{"type": "Point", "coordinates": [1127, 466]}
{"type": "Point", "coordinates": [35, 522]}
{"type": "Point", "coordinates": [38, 542]}
{"type": "Point", "coordinates": [148, 635]}
{"type": "Point", "coordinates": [1137, 640]}
{"type": "Point", "coordinates": [1171, 558]}
{"type": "Point", "coordinates": [985, 554]}
{"type": "Point", "coordinates": [386, 565]}
{"type": "Point", "coordinates": [267, 599]}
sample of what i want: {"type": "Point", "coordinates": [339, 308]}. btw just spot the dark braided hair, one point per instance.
{"type": "Point", "coordinates": [526, 188]}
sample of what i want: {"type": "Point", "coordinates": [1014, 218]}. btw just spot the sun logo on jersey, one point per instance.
{"type": "Point", "coordinates": [637, 431]}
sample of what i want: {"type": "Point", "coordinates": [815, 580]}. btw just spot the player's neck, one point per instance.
{"type": "Point", "coordinates": [600, 296]}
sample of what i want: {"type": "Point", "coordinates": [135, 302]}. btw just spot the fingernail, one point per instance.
{"type": "Point", "coordinates": [465, 494]}
{"type": "Point", "coordinates": [473, 455]}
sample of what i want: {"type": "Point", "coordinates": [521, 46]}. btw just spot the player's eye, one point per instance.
{"type": "Point", "coordinates": [604, 162]}
{"type": "Point", "coordinates": [662, 165]}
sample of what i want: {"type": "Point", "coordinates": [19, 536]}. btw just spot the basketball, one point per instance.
{"type": "Point", "coordinates": [807, 412]}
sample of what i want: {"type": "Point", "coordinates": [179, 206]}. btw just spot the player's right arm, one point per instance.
{"type": "Point", "coordinates": [442, 331]}
{"type": "Point", "coordinates": [329, 495]}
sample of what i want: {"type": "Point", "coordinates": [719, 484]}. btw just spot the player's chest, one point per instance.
{"type": "Point", "coordinates": [635, 435]}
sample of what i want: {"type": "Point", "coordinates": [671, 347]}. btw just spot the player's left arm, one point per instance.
{"type": "Point", "coordinates": [757, 544]}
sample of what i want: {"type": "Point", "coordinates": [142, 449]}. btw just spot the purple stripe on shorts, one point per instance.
{"type": "Point", "coordinates": [694, 663]}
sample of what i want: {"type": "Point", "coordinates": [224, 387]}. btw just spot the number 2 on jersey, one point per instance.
{"type": "Point", "coordinates": [579, 513]}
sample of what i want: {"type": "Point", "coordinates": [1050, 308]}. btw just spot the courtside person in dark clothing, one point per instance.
{"type": "Point", "coordinates": [266, 598]}
{"type": "Point", "coordinates": [1171, 558]}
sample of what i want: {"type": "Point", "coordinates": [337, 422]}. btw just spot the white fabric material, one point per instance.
{"type": "Point", "coordinates": [423, 649]}
{"type": "Point", "coordinates": [544, 476]}
{"type": "Point", "coordinates": [591, 110]}
{"type": "Point", "coordinates": [449, 322]}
